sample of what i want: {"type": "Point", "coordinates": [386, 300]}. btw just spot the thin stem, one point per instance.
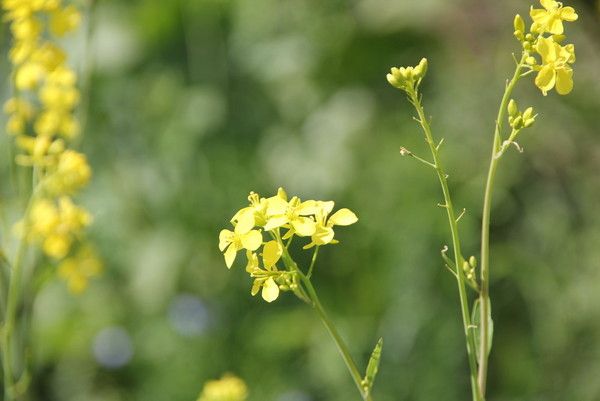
{"type": "Point", "coordinates": [458, 259]}
{"type": "Point", "coordinates": [484, 298]}
{"type": "Point", "coordinates": [312, 262]}
{"type": "Point", "coordinates": [14, 289]}
{"type": "Point", "coordinates": [339, 342]}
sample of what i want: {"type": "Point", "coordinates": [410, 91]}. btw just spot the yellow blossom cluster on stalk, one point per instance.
{"type": "Point", "coordinates": [228, 388]}
{"type": "Point", "coordinates": [282, 219]}
{"type": "Point", "coordinates": [41, 119]}
{"type": "Point", "coordinates": [544, 39]}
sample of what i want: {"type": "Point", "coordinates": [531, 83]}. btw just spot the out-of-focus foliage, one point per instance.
{"type": "Point", "coordinates": [192, 104]}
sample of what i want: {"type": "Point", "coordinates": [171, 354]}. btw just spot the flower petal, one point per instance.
{"type": "Point", "coordinates": [568, 14]}
{"type": "Point", "coordinates": [564, 81]}
{"type": "Point", "coordinates": [270, 290]}
{"type": "Point", "coordinates": [549, 4]}
{"type": "Point", "coordinates": [323, 236]}
{"type": "Point", "coordinates": [343, 217]}
{"type": "Point", "coordinates": [555, 26]}
{"type": "Point", "coordinates": [251, 240]}
{"type": "Point", "coordinates": [545, 79]}
{"type": "Point", "coordinates": [256, 286]}
{"type": "Point", "coordinates": [303, 226]}
{"type": "Point", "coordinates": [307, 208]}
{"type": "Point", "coordinates": [546, 47]}
{"type": "Point", "coordinates": [276, 205]}
{"type": "Point", "coordinates": [230, 256]}
{"type": "Point", "coordinates": [271, 253]}
{"type": "Point", "coordinates": [276, 221]}
{"type": "Point", "coordinates": [225, 238]}
{"type": "Point", "coordinates": [245, 221]}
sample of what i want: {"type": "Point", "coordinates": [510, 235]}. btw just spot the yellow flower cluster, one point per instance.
{"type": "Point", "coordinates": [544, 39]}
{"type": "Point", "coordinates": [312, 219]}
{"type": "Point", "coordinates": [228, 388]}
{"type": "Point", "coordinates": [41, 118]}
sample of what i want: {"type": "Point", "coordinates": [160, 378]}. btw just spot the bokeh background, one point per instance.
{"type": "Point", "coordinates": [192, 104]}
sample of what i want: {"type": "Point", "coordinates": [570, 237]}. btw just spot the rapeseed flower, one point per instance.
{"type": "Point", "coordinates": [555, 69]}
{"type": "Point", "coordinates": [550, 19]}
{"type": "Point", "coordinates": [79, 269]}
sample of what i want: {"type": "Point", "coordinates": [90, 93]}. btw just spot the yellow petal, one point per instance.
{"type": "Point", "coordinates": [307, 208]}
{"type": "Point", "coordinates": [556, 26]}
{"type": "Point", "coordinates": [252, 261]}
{"type": "Point", "coordinates": [564, 81]}
{"type": "Point", "coordinates": [568, 14]}
{"type": "Point", "coordinates": [326, 207]}
{"type": "Point", "coordinates": [323, 236]}
{"type": "Point", "coordinates": [225, 238]}
{"type": "Point", "coordinates": [230, 256]}
{"type": "Point", "coordinates": [303, 226]}
{"type": "Point", "coordinates": [539, 16]}
{"type": "Point", "coordinates": [275, 221]}
{"type": "Point", "coordinates": [256, 286]}
{"type": "Point", "coordinates": [547, 49]}
{"type": "Point", "coordinates": [270, 290]}
{"type": "Point", "coordinates": [251, 240]}
{"type": "Point", "coordinates": [276, 205]}
{"type": "Point", "coordinates": [549, 4]}
{"type": "Point", "coordinates": [343, 217]}
{"type": "Point", "coordinates": [545, 79]}
{"type": "Point", "coordinates": [245, 221]}
{"type": "Point", "coordinates": [271, 253]}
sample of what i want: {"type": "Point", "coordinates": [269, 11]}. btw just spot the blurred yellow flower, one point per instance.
{"type": "Point", "coordinates": [79, 269]}
{"type": "Point", "coordinates": [228, 388]}
{"type": "Point", "coordinates": [292, 215]}
{"type": "Point", "coordinates": [71, 174]}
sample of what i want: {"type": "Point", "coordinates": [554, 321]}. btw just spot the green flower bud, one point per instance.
{"type": "Point", "coordinates": [513, 110]}
{"type": "Point", "coordinates": [421, 69]}
{"type": "Point", "coordinates": [529, 37]}
{"type": "Point", "coordinates": [531, 60]}
{"type": "Point", "coordinates": [527, 46]}
{"type": "Point", "coordinates": [473, 261]}
{"type": "Point", "coordinates": [558, 38]}
{"type": "Point", "coordinates": [517, 123]}
{"type": "Point", "coordinates": [519, 24]}
{"type": "Point", "coordinates": [528, 117]}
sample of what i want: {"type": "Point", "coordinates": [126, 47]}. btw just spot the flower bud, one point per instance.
{"type": "Point", "coordinates": [517, 123]}
{"type": "Point", "coordinates": [531, 60]}
{"type": "Point", "coordinates": [421, 69]}
{"type": "Point", "coordinates": [513, 110]}
{"type": "Point", "coordinates": [528, 117]}
{"type": "Point", "coordinates": [519, 24]}
{"type": "Point", "coordinates": [473, 261]}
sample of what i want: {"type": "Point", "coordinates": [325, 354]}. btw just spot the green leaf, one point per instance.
{"type": "Point", "coordinates": [372, 367]}
{"type": "Point", "coordinates": [475, 321]}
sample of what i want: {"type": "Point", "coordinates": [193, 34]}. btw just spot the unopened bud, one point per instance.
{"type": "Point", "coordinates": [513, 110]}
{"type": "Point", "coordinates": [421, 69]}
{"type": "Point", "coordinates": [517, 123]}
{"type": "Point", "coordinates": [528, 117]}
{"type": "Point", "coordinates": [473, 261]}
{"type": "Point", "coordinates": [519, 24]}
{"type": "Point", "coordinates": [531, 60]}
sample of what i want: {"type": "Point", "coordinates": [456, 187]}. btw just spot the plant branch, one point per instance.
{"type": "Point", "coordinates": [485, 232]}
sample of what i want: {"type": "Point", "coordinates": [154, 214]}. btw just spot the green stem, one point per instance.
{"type": "Point", "coordinates": [484, 298]}
{"type": "Point", "coordinates": [458, 259]}
{"type": "Point", "coordinates": [312, 262]}
{"type": "Point", "coordinates": [339, 342]}
{"type": "Point", "coordinates": [9, 321]}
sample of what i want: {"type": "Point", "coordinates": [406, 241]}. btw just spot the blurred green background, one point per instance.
{"type": "Point", "coordinates": [192, 104]}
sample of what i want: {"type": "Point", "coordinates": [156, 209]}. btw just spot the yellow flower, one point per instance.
{"type": "Point", "coordinates": [292, 214]}
{"type": "Point", "coordinates": [29, 75]}
{"type": "Point", "coordinates": [72, 173]}
{"type": "Point", "coordinates": [324, 226]}
{"type": "Point", "coordinates": [405, 78]}
{"type": "Point", "coordinates": [550, 19]}
{"type": "Point", "coordinates": [56, 226]}
{"type": "Point", "coordinates": [243, 237]}
{"type": "Point", "coordinates": [64, 20]}
{"type": "Point", "coordinates": [41, 150]}
{"type": "Point", "coordinates": [265, 279]}
{"type": "Point", "coordinates": [78, 270]}
{"type": "Point", "coordinates": [228, 388]}
{"type": "Point", "coordinates": [555, 69]}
